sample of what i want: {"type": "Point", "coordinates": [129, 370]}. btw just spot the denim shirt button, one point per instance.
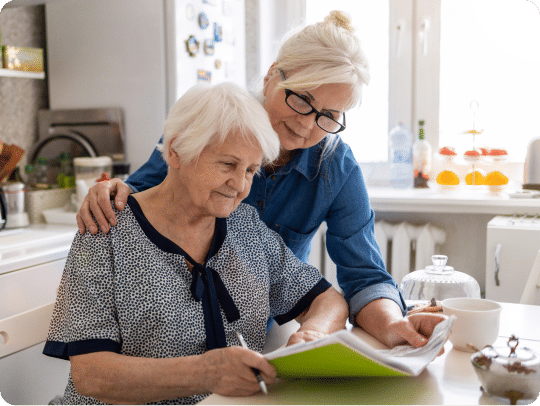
{"type": "Point", "coordinates": [274, 177]}
{"type": "Point", "coordinates": [260, 203]}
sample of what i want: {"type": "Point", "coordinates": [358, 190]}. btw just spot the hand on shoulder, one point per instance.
{"type": "Point", "coordinates": [97, 203]}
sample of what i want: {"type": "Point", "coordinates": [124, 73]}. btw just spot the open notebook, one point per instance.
{"type": "Point", "coordinates": [346, 354]}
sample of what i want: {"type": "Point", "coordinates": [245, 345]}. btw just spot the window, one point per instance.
{"type": "Point", "coordinates": [490, 53]}
{"type": "Point", "coordinates": [430, 59]}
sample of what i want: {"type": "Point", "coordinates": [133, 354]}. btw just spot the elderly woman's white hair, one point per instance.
{"type": "Point", "coordinates": [206, 114]}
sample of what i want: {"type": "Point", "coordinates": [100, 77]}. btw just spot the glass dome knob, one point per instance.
{"type": "Point", "coordinates": [439, 262]}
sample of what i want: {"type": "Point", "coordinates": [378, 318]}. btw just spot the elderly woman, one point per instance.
{"type": "Point", "coordinates": [318, 76]}
{"type": "Point", "coordinates": [149, 312]}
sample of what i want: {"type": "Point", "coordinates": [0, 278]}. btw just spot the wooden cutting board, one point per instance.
{"type": "Point", "coordinates": [10, 155]}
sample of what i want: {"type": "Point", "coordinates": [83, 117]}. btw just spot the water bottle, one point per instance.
{"type": "Point", "coordinates": [400, 141]}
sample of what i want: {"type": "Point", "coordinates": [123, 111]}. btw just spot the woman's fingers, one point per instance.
{"type": "Point", "coordinates": [235, 377]}
{"type": "Point", "coordinates": [84, 218]}
{"type": "Point", "coordinates": [97, 203]}
{"type": "Point", "coordinates": [417, 328]}
{"type": "Point", "coordinates": [122, 193]}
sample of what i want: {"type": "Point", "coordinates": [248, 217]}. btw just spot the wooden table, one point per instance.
{"type": "Point", "coordinates": [448, 380]}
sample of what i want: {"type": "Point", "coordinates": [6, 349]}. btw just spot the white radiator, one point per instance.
{"type": "Point", "coordinates": [404, 248]}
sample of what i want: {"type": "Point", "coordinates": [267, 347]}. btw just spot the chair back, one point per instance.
{"type": "Point", "coordinates": [531, 293]}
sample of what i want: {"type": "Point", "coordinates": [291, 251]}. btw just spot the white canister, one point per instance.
{"type": "Point", "coordinates": [531, 176]}
{"type": "Point", "coordinates": [14, 196]}
{"type": "Point", "coordinates": [88, 171]}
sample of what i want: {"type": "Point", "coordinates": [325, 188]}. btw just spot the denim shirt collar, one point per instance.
{"type": "Point", "coordinates": [305, 161]}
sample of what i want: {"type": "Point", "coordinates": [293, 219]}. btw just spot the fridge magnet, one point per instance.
{"type": "Point", "coordinates": [192, 45]}
{"type": "Point", "coordinates": [217, 63]}
{"type": "Point", "coordinates": [190, 12]}
{"type": "Point", "coordinates": [218, 32]}
{"type": "Point", "coordinates": [203, 20]}
{"type": "Point", "coordinates": [204, 76]}
{"type": "Point", "coordinates": [209, 47]}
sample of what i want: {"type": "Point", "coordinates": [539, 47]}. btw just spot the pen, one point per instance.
{"type": "Point", "coordinates": [255, 370]}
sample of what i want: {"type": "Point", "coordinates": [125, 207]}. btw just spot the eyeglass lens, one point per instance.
{"type": "Point", "coordinates": [301, 106]}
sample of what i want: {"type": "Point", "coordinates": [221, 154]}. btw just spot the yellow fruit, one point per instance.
{"type": "Point", "coordinates": [447, 178]}
{"type": "Point", "coordinates": [495, 178]}
{"type": "Point", "coordinates": [478, 178]}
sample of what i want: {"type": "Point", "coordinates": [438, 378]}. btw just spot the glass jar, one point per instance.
{"type": "Point", "coordinates": [90, 169]}
{"type": "Point", "coordinates": [66, 175]}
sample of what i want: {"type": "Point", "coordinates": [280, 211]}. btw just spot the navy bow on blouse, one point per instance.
{"type": "Point", "coordinates": [207, 286]}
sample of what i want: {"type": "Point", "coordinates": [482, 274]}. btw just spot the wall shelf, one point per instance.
{"type": "Point", "coordinates": [20, 74]}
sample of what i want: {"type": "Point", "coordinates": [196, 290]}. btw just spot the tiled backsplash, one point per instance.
{"type": "Point", "coordinates": [20, 99]}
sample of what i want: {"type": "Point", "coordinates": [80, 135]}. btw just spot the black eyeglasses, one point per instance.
{"type": "Point", "coordinates": [299, 104]}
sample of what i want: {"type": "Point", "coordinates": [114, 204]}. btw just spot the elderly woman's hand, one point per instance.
{"type": "Point", "coordinates": [98, 203]}
{"type": "Point", "coordinates": [228, 371]}
{"type": "Point", "coordinates": [303, 336]}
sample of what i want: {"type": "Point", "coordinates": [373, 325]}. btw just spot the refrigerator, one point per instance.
{"type": "Point", "coordinates": [141, 56]}
{"type": "Point", "coordinates": [512, 245]}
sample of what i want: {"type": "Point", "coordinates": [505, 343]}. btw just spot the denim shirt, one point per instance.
{"type": "Point", "coordinates": [297, 198]}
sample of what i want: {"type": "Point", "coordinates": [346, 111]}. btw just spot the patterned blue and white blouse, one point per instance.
{"type": "Point", "coordinates": [130, 292]}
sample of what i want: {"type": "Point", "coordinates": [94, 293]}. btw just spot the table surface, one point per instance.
{"type": "Point", "coordinates": [448, 380]}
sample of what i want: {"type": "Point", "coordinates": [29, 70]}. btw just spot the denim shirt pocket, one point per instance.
{"type": "Point", "coordinates": [299, 243]}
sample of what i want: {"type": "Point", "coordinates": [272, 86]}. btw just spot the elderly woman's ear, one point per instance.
{"type": "Point", "coordinates": [174, 159]}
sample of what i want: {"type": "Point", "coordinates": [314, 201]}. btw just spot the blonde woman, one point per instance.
{"type": "Point", "coordinates": [317, 77]}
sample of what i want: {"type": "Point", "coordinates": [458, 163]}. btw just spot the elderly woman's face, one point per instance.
{"type": "Point", "coordinates": [295, 130]}
{"type": "Point", "coordinates": [221, 177]}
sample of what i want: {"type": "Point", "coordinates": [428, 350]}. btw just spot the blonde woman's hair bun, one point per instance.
{"type": "Point", "coordinates": [339, 19]}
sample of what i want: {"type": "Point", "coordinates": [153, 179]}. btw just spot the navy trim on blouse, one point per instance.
{"type": "Point", "coordinates": [206, 286]}
{"type": "Point", "coordinates": [62, 350]}
{"type": "Point", "coordinates": [167, 245]}
{"type": "Point", "coordinates": [322, 286]}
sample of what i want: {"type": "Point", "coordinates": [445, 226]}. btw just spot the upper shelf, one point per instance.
{"type": "Point", "coordinates": [20, 74]}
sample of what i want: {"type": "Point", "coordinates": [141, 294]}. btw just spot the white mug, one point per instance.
{"type": "Point", "coordinates": [476, 324]}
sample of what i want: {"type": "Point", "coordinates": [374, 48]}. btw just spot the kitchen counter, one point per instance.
{"type": "Point", "coordinates": [37, 244]}
{"type": "Point", "coordinates": [386, 199]}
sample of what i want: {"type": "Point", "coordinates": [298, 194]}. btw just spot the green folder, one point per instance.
{"type": "Point", "coordinates": [332, 360]}
{"type": "Point", "coordinates": [348, 353]}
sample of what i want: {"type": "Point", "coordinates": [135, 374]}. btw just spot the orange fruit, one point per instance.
{"type": "Point", "coordinates": [478, 178]}
{"type": "Point", "coordinates": [447, 178]}
{"type": "Point", "coordinates": [495, 178]}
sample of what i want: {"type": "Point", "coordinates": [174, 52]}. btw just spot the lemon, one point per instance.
{"type": "Point", "coordinates": [447, 178]}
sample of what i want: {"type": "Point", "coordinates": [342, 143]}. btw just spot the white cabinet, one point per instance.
{"type": "Point", "coordinates": [512, 245]}
{"type": "Point", "coordinates": [32, 260]}
{"type": "Point", "coordinates": [27, 300]}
